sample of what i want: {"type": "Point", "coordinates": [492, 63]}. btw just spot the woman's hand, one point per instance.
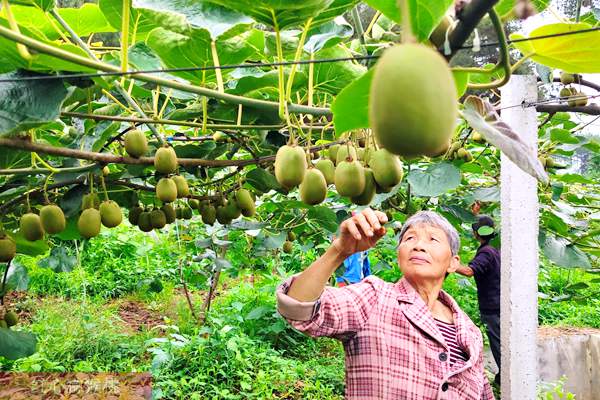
{"type": "Point", "coordinates": [360, 232]}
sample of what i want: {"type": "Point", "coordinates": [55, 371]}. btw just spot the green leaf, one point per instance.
{"type": "Point", "coordinates": [335, 76]}
{"type": "Point", "coordinates": [573, 178]}
{"type": "Point", "coordinates": [327, 35]}
{"type": "Point", "coordinates": [461, 80]}
{"type": "Point", "coordinates": [259, 312]}
{"type": "Point", "coordinates": [559, 251]}
{"type": "Point", "coordinates": [323, 216]}
{"type": "Point", "coordinates": [491, 194]}
{"type": "Point", "coordinates": [435, 180]}
{"type": "Point", "coordinates": [577, 286]}
{"type": "Point", "coordinates": [351, 106]}
{"type": "Point", "coordinates": [59, 260]}
{"type": "Point", "coordinates": [504, 7]}
{"type": "Point", "coordinates": [112, 10]}
{"type": "Point", "coordinates": [571, 53]}
{"type": "Point", "coordinates": [28, 248]}
{"type": "Point", "coordinates": [337, 8]}
{"type": "Point", "coordinates": [17, 277]}
{"type": "Point", "coordinates": [15, 344]}
{"type": "Point", "coordinates": [563, 136]}
{"type": "Point", "coordinates": [71, 232]}
{"type": "Point", "coordinates": [45, 5]}
{"type": "Point", "coordinates": [262, 180]}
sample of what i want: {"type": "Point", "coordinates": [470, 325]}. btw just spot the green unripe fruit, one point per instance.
{"type": "Point", "coordinates": [367, 155]}
{"type": "Point", "coordinates": [220, 137]}
{"type": "Point", "coordinates": [288, 247]}
{"type": "Point", "coordinates": [194, 204]}
{"type": "Point", "coordinates": [158, 219]}
{"type": "Point", "coordinates": [209, 215]}
{"type": "Point", "coordinates": [461, 153]}
{"type": "Point", "coordinates": [368, 193]}
{"type": "Point", "coordinates": [145, 222]}
{"type": "Point", "coordinates": [110, 214]}
{"type": "Point", "coordinates": [468, 156]}
{"type": "Point", "coordinates": [382, 189]}
{"type": "Point", "coordinates": [333, 152]}
{"type": "Point", "coordinates": [134, 215]}
{"type": "Point", "coordinates": [566, 92]}
{"type": "Point", "coordinates": [11, 318]}
{"type": "Point", "coordinates": [179, 213]}
{"type": "Point", "coordinates": [291, 236]}
{"type": "Point", "coordinates": [105, 171]}
{"type": "Point", "coordinates": [165, 160]}
{"type": "Point", "coordinates": [72, 132]}
{"type": "Point", "coordinates": [183, 189]}
{"type": "Point", "coordinates": [349, 178]}
{"type": "Point", "coordinates": [8, 248]}
{"type": "Point", "coordinates": [3, 324]}
{"type": "Point", "coordinates": [232, 209]}
{"type": "Point", "coordinates": [166, 190]}
{"type": "Point", "coordinates": [313, 188]}
{"type": "Point", "coordinates": [245, 202]}
{"type": "Point", "coordinates": [454, 148]}
{"type": "Point", "coordinates": [360, 153]}
{"type": "Point", "coordinates": [223, 215]}
{"type": "Point", "coordinates": [90, 200]}
{"type": "Point", "coordinates": [327, 168]}
{"type": "Point", "coordinates": [89, 223]}
{"type": "Point", "coordinates": [31, 226]}
{"type": "Point", "coordinates": [53, 219]}
{"type": "Point", "coordinates": [136, 144]}
{"type": "Point", "coordinates": [581, 99]}
{"type": "Point", "coordinates": [386, 167]}
{"type": "Point", "coordinates": [566, 78]}
{"type": "Point", "coordinates": [290, 166]}
{"type": "Point", "coordinates": [424, 124]}
{"type": "Point", "coordinates": [186, 213]}
{"type": "Point", "coordinates": [169, 212]}
{"type": "Point", "coordinates": [345, 152]}
{"type": "Point", "coordinates": [109, 109]}
{"type": "Point", "coordinates": [478, 137]}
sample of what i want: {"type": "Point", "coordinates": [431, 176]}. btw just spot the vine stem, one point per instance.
{"type": "Point", "coordinates": [104, 187]}
{"type": "Point", "coordinates": [12, 23]}
{"type": "Point", "coordinates": [282, 101]}
{"type": "Point", "coordinates": [125, 36]}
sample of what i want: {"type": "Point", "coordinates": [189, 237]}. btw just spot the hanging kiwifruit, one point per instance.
{"type": "Point", "coordinates": [386, 167]}
{"type": "Point", "coordinates": [165, 160]}
{"type": "Point", "coordinates": [89, 223]}
{"type": "Point", "coordinates": [566, 92]}
{"type": "Point", "coordinates": [53, 219]}
{"type": "Point", "coordinates": [333, 152]}
{"type": "Point", "coordinates": [478, 137]}
{"type": "Point", "coordinates": [166, 190]}
{"type": "Point", "coordinates": [368, 193]}
{"type": "Point", "coordinates": [105, 171]}
{"type": "Point", "coordinates": [209, 214]}
{"type": "Point", "coordinates": [110, 214]}
{"type": "Point", "coordinates": [136, 144]}
{"type": "Point", "coordinates": [169, 212]}
{"type": "Point", "coordinates": [158, 219]}
{"type": "Point", "coordinates": [186, 212]}
{"type": "Point", "coordinates": [581, 99]}
{"type": "Point", "coordinates": [245, 202]}
{"type": "Point", "coordinates": [291, 236]}
{"type": "Point", "coordinates": [31, 227]}
{"type": "Point", "coordinates": [183, 189]}
{"type": "Point", "coordinates": [349, 178]}
{"type": "Point", "coordinates": [223, 215]}
{"type": "Point", "coordinates": [194, 204]}
{"type": "Point", "coordinates": [145, 222]}
{"type": "Point", "coordinates": [134, 215]}
{"type": "Point", "coordinates": [90, 200]}
{"type": "Point", "coordinates": [288, 246]}
{"type": "Point", "coordinates": [8, 247]}
{"type": "Point", "coordinates": [327, 167]}
{"type": "Point", "coordinates": [313, 188]}
{"type": "Point", "coordinates": [345, 152]}
{"type": "Point", "coordinates": [233, 210]}
{"type": "Point", "coordinates": [11, 318]}
{"type": "Point", "coordinates": [566, 78]}
{"type": "Point", "coordinates": [290, 166]}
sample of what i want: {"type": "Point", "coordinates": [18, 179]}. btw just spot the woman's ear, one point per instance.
{"type": "Point", "coordinates": [454, 264]}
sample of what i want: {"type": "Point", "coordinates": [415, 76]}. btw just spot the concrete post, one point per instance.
{"type": "Point", "coordinates": [519, 213]}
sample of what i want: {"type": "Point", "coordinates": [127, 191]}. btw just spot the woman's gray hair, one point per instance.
{"type": "Point", "coordinates": [434, 219]}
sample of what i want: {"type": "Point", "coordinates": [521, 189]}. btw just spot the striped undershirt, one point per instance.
{"type": "Point", "coordinates": [449, 333]}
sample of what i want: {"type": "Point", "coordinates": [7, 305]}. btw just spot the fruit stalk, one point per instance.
{"type": "Point", "coordinates": [125, 36]}
{"type": "Point", "coordinates": [297, 56]}
{"type": "Point", "coordinates": [218, 72]}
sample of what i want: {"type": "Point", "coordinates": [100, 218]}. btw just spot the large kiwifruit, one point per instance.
{"type": "Point", "coordinates": [369, 192]}
{"type": "Point", "coordinates": [313, 188]}
{"type": "Point", "coordinates": [31, 227]}
{"type": "Point", "coordinates": [183, 189]}
{"type": "Point", "coordinates": [186, 212]}
{"type": "Point", "coordinates": [223, 215]}
{"type": "Point", "coordinates": [89, 223]}
{"type": "Point", "coordinates": [386, 167]}
{"type": "Point", "coordinates": [327, 168]}
{"type": "Point", "coordinates": [8, 248]}
{"type": "Point", "coordinates": [165, 160]}
{"type": "Point", "coordinates": [134, 215]}
{"type": "Point", "coordinates": [245, 202]}
{"type": "Point", "coordinates": [158, 219]}
{"type": "Point", "coordinates": [136, 144]}
{"type": "Point", "coordinates": [110, 214]}
{"type": "Point", "coordinates": [423, 123]}
{"type": "Point", "coordinates": [53, 219]}
{"type": "Point", "coordinates": [344, 152]}
{"type": "Point", "coordinates": [145, 222]}
{"type": "Point", "coordinates": [90, 200]}
{"type": "Point", "coordinates": [169, 212]}
{"type": "Point", "coordinates": [166, 190]}
{"type": "Point", "coordinates": [209, 214]}
{"type": "Point", "coordinates": [290, 166]}
{"type": "Point", "coordinates": [232, 208]}
{"type": "Point", "coordinates": [349, 178]}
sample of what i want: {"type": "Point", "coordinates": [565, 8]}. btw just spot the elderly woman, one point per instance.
{"type": "Point", "coordinates": [407, 340]}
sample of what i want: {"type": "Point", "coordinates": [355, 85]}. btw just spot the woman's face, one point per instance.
{"type": "Point", "coordinates": [424, 254]}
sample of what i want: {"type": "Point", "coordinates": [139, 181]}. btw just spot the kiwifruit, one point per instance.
{"type": "Point", "coordinates": [166, 190]}
{"type": "Point", "coordinates": [11, 318]}
{"type": "Point", "coordinates": [178, 213]}
{"type": "Point", "coordinates": [382, 189]}
{"type": "Point", "coordinates": [566, 78]}
{"type": "Point", "coordinates": [287, 246]}
{"type": "Point", "coordinates": [345, 152]}
{"type": "Point", "coordinates": [186, 213]}
{"type": "Point", "coordinates": [291, 236]}
{"type": "Point", "coordinates": [165, 160]}
{"type": "Point", "coordinates": [183, 189]}
{"type": "Point", "coordinates": [349, 178]}
{"type": "Point", "coordinates": [89, 223]}
{"type": "Point", "coordinates": [194, 204]}
{"type": "Point", "coordinates": [169, 212]}
{"type": "Point", "coordinates": [290, 166]}
{"type": "Point", "coordinates": [158, 219]}
{"type": "Point", "coordinates": [8, 248]}
{"type": "Point", "coordinates": [468, 157]}
{"type": "Point", "coordinates": [134, 215]}
{"type": "Point", "coordinates": [454, 148]}
{"type": "Point", "coordinates": [223, 215]}
{"type": "Point", "coordinates": [31, 226]}
{"type": "Point", "coordinates": [368, 193]}
{"type": "Point", "coordinates": [360, 153]}
{"type": "Point", "coordinates": [566, 92]}
{"type": "Point", "coordinates": [53, 219]}
{"type": "Point", "coordinates": [333, 152]}
{"type": "Point", "coordinates": [461, 153]}
{"type": "Point", "coordinates": [110, 214]}
{"type": "Point", "coordinates": [90, 200]}
{"type": "Point", "coordinates": [478, 137]}
{"type": "Point", "coordinates": [386, 167]}
{"type": "Point", "coordinates": [245, 202]}
{"type": "Point", "coordinates": [209, 215]}
{"type": "Point", "coordinates": [136, 144]}
{"type": "Point", "coordinates": [233, 210]}
{"type": "Point", "coordinates": [327, 168]}
{"type": "Point", "coordinates": [581, 99]}
{"type": "Point", "coordinates": [367, 155]}
{"type": "Point", "coordinates": [313, 188]}
{"type": "Point", "coordinates": [145, 222]}
{"type": "Point", "coordinates": [105, 171]}
{"type": "Point", "coordinates": [220, 137]}
{"type": "Point", "coordinates": [424, 124]}
{"type": "Point", "coordinates": [3, 324]}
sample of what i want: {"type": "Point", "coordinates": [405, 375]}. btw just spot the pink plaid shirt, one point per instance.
{"type": "Point", "coordinates": [394, 349]}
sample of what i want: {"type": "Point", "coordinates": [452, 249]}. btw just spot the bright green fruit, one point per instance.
{"type": "Point", "coordinates": [158, 219]}
{"type": "Point", "coordinates": [165, 160]}
{"type": "Point", "coordinates": [223, 215]}
{"type": "Point", "coordinates": [53, 219]}
{"type": "Point", "coordinates": [349, 178]}
{"type": "Point", "coordinates": [245, 202]}
{"type": "Point", "coordinates": [566, 92]}
{"type": "Point", "coordinates": [8, 248]}
{"type": "Point", "coordinates": [89, 223]}
{"type": "Point", "coordinates": [454, 148]}
{"type": "Point", "coordinates": [566, 78]}
{"type": "Point", "coordinates": [194, 204]}
{"type": "Point", "coordinates": [461, 153]}
{"type": "Point", "coordinates": [386, 167]}
{"type": "Point", "coordinates": [581, 99]}
{"type": "Point", "coordinates": [183, 189]}
{"type": "Point", "coordinates": [369, 192]}
{"type": "Point", "coordinates": [288, 246]}
{"type": "Point", "coordinates": [90, 200]}
{"type": "Point", "coordinates": [134, 215]}
{"type": "Point", "coordinates": [145, 222]}
{"type": "Point", "coordinates": [313, 188]}
{"type": "Point", "coordinates": [105, 170]}
{"type": "Point", "coordinates": [169, 212]}
{"type": "Point", "coordinates": [220, 137]}
{"type": "Point", "coordinates": [31, 226]}
{"type": "Point", "coordinates": [413, 101]}
{"type": "Point", "coordinates": [136, 144]}
{"type": "Point", "coordinates": [166, 190]}
{"type": "Point", "coordinates": [345, 152]}
{"type": "Point", "coordinates": [209, 215]}
{"type": "Point", "coordinates": [327, 168]}
{"type": "Point", "coordinates": [290, 166]}
{"type": "Point", "coordinates": [233, 210]}
{"type": "Point", "coordinates": [110, 214]}
{"type": "Point", "coordinates": [11, 318]}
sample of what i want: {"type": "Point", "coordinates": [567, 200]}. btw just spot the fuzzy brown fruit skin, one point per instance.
{"type": "Point", "coordinates": [386, 167]}
{"type": "Point", "coordinates": [566, 78]}
{"type": "Point", "coordinates": [290, 166]}
{"type": "Point", "coordinates": [209, 215]}
{"type": "Point", "coordinates": [291, 236]}
{"type": "Point", "coordinates": [31, 226]}
{"type": "Point", "coordinates": [89, 223]}
{"type": "Point", "coordinates": [136, 144]}
{"type": "Point", "coordinates": [423, 124]}
{"type": "Point", "coordinates": [183, 190]}
{"type": "Point", "coordinates": [245, 202]}
{"type": "Point", "coordinates": [566, 92]}
{"type": "Point", "coordinates": [287, 247]}
{"type": "Point", "coordinates": [166, 190]}
{"type": "Point", "coordinates": [8, 248]}
{"type": "Point", "coordinates": [349, 178]}
{"type": "Point", "coordinates": [169, 212]}
{"type": "Point", "coordinates": [165, 160]}
{"type": "Point", "coordinates": [110, 214]}
{"type": "Point", "coordinates": [53, 219]}
{"type": "Point", "coordinates": [134, 215]}
{"type": "Point", "coordinates": [145, 222]}
{"type": "Point", "coordinates": [313, 188]}
{"type": "Point", "coordinates": [186, 213]}
{"type": "Point", "coordinates": [368, 193]}
{"type": "Point", "coordinates": [158, 219]}
{"type": "Point", "coordinates": [327, 167]}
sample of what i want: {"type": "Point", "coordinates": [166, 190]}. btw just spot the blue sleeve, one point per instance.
{"type": "Point", "coordinates": [481, 263]}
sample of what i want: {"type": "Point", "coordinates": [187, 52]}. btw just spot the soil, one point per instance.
{"type": "Point", "coordinates": [548, 332]}
{"type": "Point", "coordinates": [138, 317]}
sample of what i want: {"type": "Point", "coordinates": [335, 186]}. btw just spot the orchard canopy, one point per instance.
{"type": "Point", "coordinates": [158, 110]}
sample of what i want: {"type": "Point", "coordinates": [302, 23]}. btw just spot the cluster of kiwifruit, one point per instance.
{"type": "Point", "coordinates": [7, 318]}
{"type": "Point", "coordinates": [94, 214]}
{"type": "Point", "coordinates": [51, 220]}
{"type": "Point", "coordinates": [357, 173]}
{"type": "Point", "coordinates": [457, 151]}
{"type": "Point", "coordinates": [574, 97]}
{"type": "Point", "coordinates": [288, 246]}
